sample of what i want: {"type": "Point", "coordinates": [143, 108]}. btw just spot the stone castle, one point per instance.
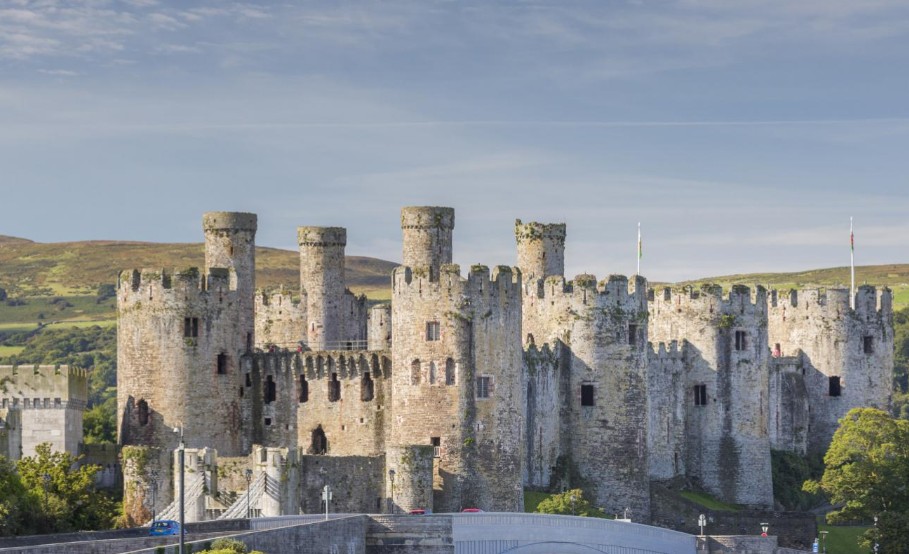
{"type": "Point", "coordinates": [463, 391]}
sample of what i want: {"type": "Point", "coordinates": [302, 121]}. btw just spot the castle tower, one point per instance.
{"type": "Point", "coordinates": [180, 337]}
{"type": "Point", "coordinates": [845, 355]}
{"type": "Point", "coordinates": [456, 379]}
{"type": "Point", "coordinates": [541, 249]}
{"type": "Point", "coordinates": [322, 283]}
{"type": "Point", "coordinates": [427, 238]}
{"type": "Point", "coordinates": [726, 387]}
{"type": "Point", "coordinates": [230, 243]}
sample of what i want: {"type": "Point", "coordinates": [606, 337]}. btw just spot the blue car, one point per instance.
{"type": "Point", "coordinates": [164, 527]}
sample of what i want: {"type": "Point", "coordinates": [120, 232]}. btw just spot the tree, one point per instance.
{"type": "Point", "coordinates": [68, 499]}
{"type": "Point", "coordinates": [570, 502]}
{"type": "Point", "coordinates": [16, 505]}
{"type": "Point", "coordinates": [867, 475]}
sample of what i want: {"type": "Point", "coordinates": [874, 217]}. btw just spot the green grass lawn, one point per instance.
{"type": "Point", "coordinates": [10, 350]}
{"type": "Point", "coordinates": [532, 499]}
{"type": "Point", "coordinates": [842, 539]}
{"type": "Point", "coordinates": [708, 501]}
{"type": "Point", "coordinates": [47, 309]}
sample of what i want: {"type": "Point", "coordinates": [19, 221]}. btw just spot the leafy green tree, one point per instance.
{"type": "Point", "coordinates": [17, 506]}
{"type": "Point", "coordinates": [867, 475]}
{"type": "Point", "coordinates": [570, 502]}
{"type": "Point", "coordinates": [68, 499]}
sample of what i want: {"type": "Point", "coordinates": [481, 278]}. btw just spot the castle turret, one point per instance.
{"type": "Point", "coordinates": [427, 238]}
{"type": "Point", "coordinates": [322, 283]}
{"type": "Point", "coordinates": [230, 243]}
{"type": "Point", "coordinates": [541, 249]}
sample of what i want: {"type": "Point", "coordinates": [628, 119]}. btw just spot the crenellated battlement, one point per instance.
{"type": "Point", "coordinates": [614, 290]}
{"type": "Point", "coordinates": [44, 385]}
{"type": "Point", "coordinates": [321, 236]}
{"type": "Point", "coordinates": [189, 285]}
{"type": "Point", "coordinates": [673, 351]}
{"type": "Point", "coordinates": [321, 365]}
{"type": "Point", "coordinates": [709, 298]}
{"type": "Point", "coordinates": [503, 278]}
{"type": "Point", "coordinates": [832, 302]}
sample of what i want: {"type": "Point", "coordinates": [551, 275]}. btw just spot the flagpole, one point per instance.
{"type": "Point", "coordinates": [852, 264]}
{"type": "Point", "coordinates": [639, 248]}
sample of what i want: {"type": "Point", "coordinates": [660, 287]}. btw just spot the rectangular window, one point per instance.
{"type": "Point", "coordinates": [834, 386]}
{"type": "Point", "coordinates": [433, 330]}
{"type": "Point", "coordinates": [586, 395]}
{"type": "Point", "coordinates": [334, 388]}
{"type": "Point", "coordinates": [484, 386]}
{"type": "Point", "coordinates": [632, 334]}
{"type": "Point", "coordinates": [868, 344]}
{"type": "Point", "coordinates": [700, 395]}
{"type": "Point", "coordinates": [190, 327]}
{"type": "Point", "coordinates": [740, 340]}
{"type": "Point", "coordinates": [436, 446]}
{"type": "Point", "coordinates": [222, 364]}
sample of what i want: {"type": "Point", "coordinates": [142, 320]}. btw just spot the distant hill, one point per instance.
{"type": "Point", "coordinates": [62, 282]}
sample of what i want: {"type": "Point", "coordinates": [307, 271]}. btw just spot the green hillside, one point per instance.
{"type": "Point", "coordinates": [63, 283]}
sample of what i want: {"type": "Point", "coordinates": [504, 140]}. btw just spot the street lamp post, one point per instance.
{"type": "Point", "coordinates": [391, 500]}
{"type": "Point", "coordinates": [154, 488]}
{"type": "Point", "coordinates": [764, 528]}
{"type": "Point", "coordinates": [249, 473]}
{"type": "Point", "coordinates": [180, 461]}
{"type": "Point", "coordinates": [875, 535]}
{"type": "Point", "coordinates": [824, 541]}
{"type": "Point", "coordinates": [573, 498]}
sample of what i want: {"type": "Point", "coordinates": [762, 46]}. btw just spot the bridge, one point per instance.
{"type": "Point", "coordinates": [481, 533]}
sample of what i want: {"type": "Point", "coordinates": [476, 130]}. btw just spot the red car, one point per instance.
{"type": "Point", "coordinates": [471, 510]}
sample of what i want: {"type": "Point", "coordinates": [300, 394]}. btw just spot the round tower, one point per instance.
{"type": "Point", "coordinates": [541, 248]}
{"type": "Point", "coordinates": [379, 327]}
{"type": "Point", "coordinates": [427, 237]}
{"type": "Point", "coordinates": [408, 478]}
{"type": "Point", "coordinates": [322, 282]}
{"type": "Point", "coordinates": [230, 243]}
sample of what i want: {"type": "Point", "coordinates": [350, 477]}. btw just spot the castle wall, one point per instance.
{"type": "Point", "coordinates": [666, 441]}
{"type": "Point", "coordinates": [855, 345]}
{"type": "Point", "coordinates": [353, 423]}
{"type": "Point", "coordinates": [42, 404]}
{"type": "Point", "coordinates": [356, 314]}
{"type": "Point", "coordinates": [727, 360]}
{"type": "Point", "coordinates": [409, 478]}
{"type": "Point", "coordinates": [356, 483]}
{"type": "Point", "coordinates": [545, 387]}
{"type": "Point", "coordinates": [789, 405]}
{"type": "Point", "coordinates": [10, 433]}
{"type": "Point", "coordinates": [451, 336]}
{"type": "Point", "coordinates": [280, 320]}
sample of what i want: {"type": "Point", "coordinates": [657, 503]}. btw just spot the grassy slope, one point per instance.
{"type": "Point", "coordinates": [38, 272]}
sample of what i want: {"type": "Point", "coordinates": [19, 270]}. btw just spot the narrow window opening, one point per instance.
{"type": "Point", "coordinates": [484, 386]}
{"type": "Point", "coordinates": [248, 380]}
{"type": "Point", "coordinates": [449, 372]}
{"type": "Point", "coordinates": [700, 395]}
{"type": "Point", "coordinates": [334, 388]}
{"type": "Point", "coordinates": [191, 327]}
{"type": "Point", "coordinates": [143, 412]}
{"type": "Point", "coordinates": [241, 392]}
{"type": "Point", "coordinates": [304, 390]}
{"type": "Point", "coordinates": [835, 388]}
{"type": "Point", "coordinates": [415, 372]}
{"type": "Point", "coordinates": [271, 390]}
{"type": "Point", "coordinates": [249, 342]}
{"type": "Point", "coordinates": [267, 421]}
{"type": "Point", "coordinates": [432, 373]}
{"type": "Point", "coordinates": [587, 395]}
{"type": "Point", "coordinates": [222, 364]}
{"type": "Point", "coordinates": [632, 334]}
{"type": "Point", "coordinates": [367, 388]}
{"type": "Point", "coordinates": [436, 446]}
{"type": "Point", "coordinates": [319, 443]}
{"type": "Point", "coordinates": [740, 340]}
{"type": "Point", "coordinates": [868, 344]}
{"type": "Point", "coordinates": [433, 330]}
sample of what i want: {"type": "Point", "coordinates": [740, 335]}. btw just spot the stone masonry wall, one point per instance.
{"type": "Point", "coordinates": [280, 320]}
{"type": "Point", "coordinates": [855, 345]}
{"type": "Point", "coordinates": [666, 441]}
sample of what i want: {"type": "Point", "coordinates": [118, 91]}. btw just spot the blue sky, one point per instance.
{"type": "Point", "coordinates": [742, 135]}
